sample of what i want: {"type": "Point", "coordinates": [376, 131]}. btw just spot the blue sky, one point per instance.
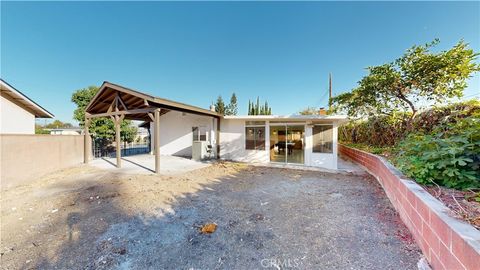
{"type": "Point", "coordinates": [194, 51]}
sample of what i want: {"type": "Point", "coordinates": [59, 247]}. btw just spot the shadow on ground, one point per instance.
{"type": "Point", "coordinates": [268, 218]}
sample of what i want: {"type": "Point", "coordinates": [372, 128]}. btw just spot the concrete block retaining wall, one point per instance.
{"type": "Point", "coordinates": [24, 158]}
{"type": "Point", "coordinates": [446, 242]}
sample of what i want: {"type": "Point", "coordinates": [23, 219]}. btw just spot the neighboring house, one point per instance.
{"type": "Point", "coordinates": [142, 135]}
{"type": "Point", "coordinates": [18, 112]}
{"type": "Point", "coordinates": [65, 131]}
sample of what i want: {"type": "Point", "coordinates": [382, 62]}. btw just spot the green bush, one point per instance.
{"type": "Point", "coordinates": [435, 117]}
{"type": "Point", "coordinates": [377, 131]}
{"type": "Point", "coordinates": [382, 131]}
{"type": "Point", "coordinates": [449, 155]}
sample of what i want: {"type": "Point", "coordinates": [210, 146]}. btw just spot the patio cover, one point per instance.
{"type": "Point", "coordinates": [118, 103]}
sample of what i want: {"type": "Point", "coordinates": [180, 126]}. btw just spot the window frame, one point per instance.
{"type": "Point", "coordinates": [256, 126]}
{"type": "Point", "coordinates": [332, 139]}
{"type": "Point", "coordinates": [199, 133]}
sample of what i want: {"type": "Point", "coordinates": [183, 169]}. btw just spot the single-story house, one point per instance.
{"type": "Point", "coordinates": [309, 140]}
{"type": "Point", "coordinates": [293, 139]}
{"type": "Point", "coordinates": [65, 131]}
{"type": "Point", "coordinates": [18, 112]}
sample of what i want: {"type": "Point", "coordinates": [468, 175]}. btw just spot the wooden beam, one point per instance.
{"type": "Point", "coordinates": [138, 104]}
{"type": "Point", "coordinates": [136, 111]}
{"type": "Point", "coordinates": [107, 87]}
{"type": "Point", "coordinates": [131, 99]}
{"type": "Point", "coordinates": [157, 141]}
{"type": "Point", "coordinates": [110, 108]}
{"type": "Point", "coordinates": [119, 98]}
{"type": "Point", "coordinates": [164, 111]}
{"type": "Point", "coordinates": [151, 117]}
{"type": "Point", "coordinates": [117, 141]}
{"type": "Point", "coordinates": [96, 100]}
{"type": "Point", "coordinates": [87, 148]}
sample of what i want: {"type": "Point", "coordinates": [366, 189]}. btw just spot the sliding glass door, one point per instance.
{"type": "Point", "coordinates": [287, 143]}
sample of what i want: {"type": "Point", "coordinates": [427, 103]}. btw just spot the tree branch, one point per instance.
{"type": "Point", "coordinates": [401, 96]}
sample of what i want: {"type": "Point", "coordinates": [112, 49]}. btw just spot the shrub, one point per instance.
{"type": "Point", "coordinates": [448, 156]}
{"type": "Point", "coordinates": [428, 120]}
{"type": "Point", "coordinates": [382, 131]}
{"type": "Point", "coordinates": [377, 131]}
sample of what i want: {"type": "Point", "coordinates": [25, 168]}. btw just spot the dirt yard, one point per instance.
{"type": "Point", "coordinates": [267, 218]}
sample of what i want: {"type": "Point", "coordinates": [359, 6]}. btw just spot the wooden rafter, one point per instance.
{"type": "Point", "coordinates": [120, 100]}
{"type": "Point", "coordinates": [114, 113]}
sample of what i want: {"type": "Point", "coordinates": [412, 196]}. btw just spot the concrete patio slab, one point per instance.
{"type": "Point", "coordinates": [145, 164]}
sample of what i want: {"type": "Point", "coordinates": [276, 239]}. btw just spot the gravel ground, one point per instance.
{"type": "Point", "coordinates": [267, 218]}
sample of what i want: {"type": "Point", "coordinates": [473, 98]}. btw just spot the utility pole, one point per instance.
{"type": "Point", "coordinates": [330, 92]}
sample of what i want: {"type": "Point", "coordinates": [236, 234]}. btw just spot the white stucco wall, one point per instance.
{"type": "Point", "coordinates": [232, 143]}
{"type": "Point", "coordinates": [176, 139]}
{"type": "Point", "coordinates": [14, 119]}
{"type": "Point", "coordinates": [176, 132]}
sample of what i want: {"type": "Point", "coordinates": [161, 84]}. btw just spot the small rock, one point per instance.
{"type": "Point", "coordinates": [423, 264]}
{"type": "Point", "coordinates": [54, 210]}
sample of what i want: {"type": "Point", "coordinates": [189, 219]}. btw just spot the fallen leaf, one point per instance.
{"type": "Point", "coordinates": [208, 228]}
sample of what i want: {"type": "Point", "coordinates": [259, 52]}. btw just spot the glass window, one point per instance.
{"type": "Point", "coordinates": [255, 138]}
{"type": "Point", "coordinates": [323, 139]}
{"type": "Point", "coordinates": [199, 133]}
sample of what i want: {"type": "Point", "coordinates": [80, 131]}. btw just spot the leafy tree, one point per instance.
{"type": "Point", "coordinates": [58, 124]}
{"type": "Point", "coordinates": [102, 127]}
{"type": "Point", "coordinates": [418, 76]}
{"type": "Point", "coordinates": [220, 105]}
{"type": "Point", "coordinates": [309, 111]}
{"type": "Point", "coordinates": [232, 108]}
{"type": "Point", "coordinates": [39, 129]}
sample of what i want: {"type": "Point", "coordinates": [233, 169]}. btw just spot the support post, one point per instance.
{"type": "Point", "coordinates": [87, 148]}
{"type": "Point", "coordinates": [156, 134]}
{"type": "Point", "coordinates": [117, 141]}
{"type": "Point", "coordinates": [218, 137]}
